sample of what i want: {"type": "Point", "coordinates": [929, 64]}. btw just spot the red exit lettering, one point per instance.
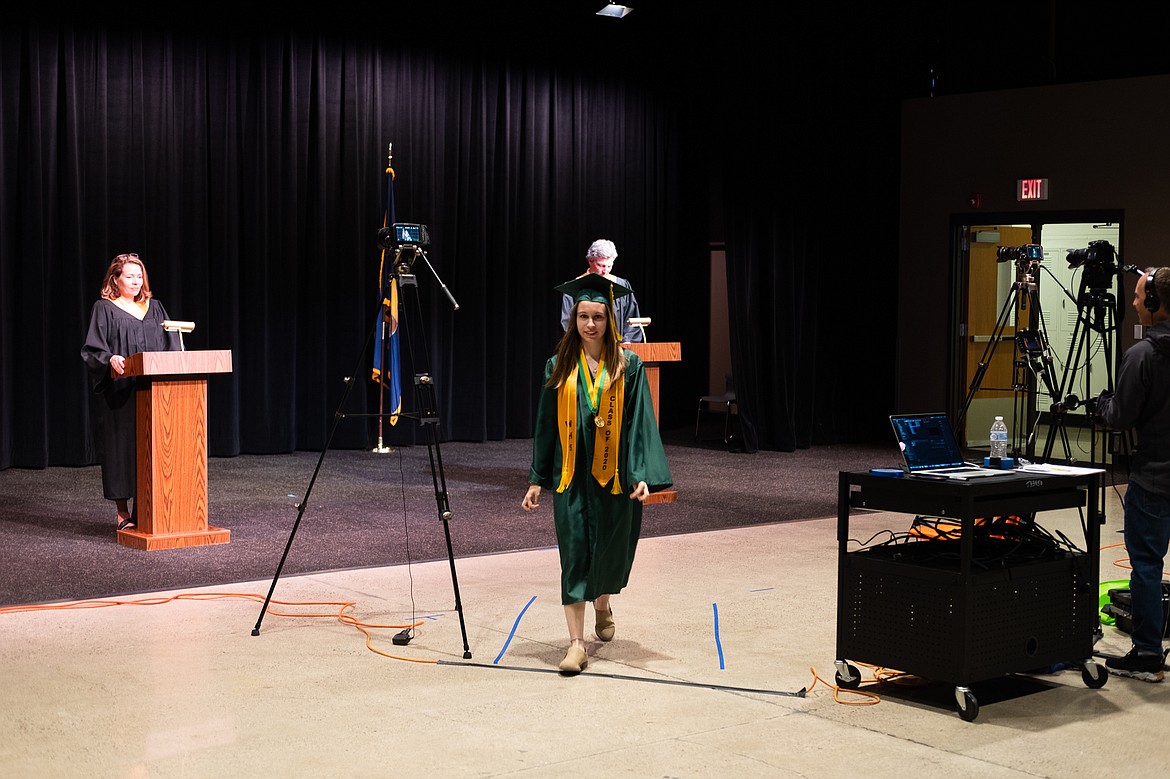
{"type": "Point", "coordinates": [1032, 189]}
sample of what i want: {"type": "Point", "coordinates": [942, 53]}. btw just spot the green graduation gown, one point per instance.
{"type": "Point", "coordinates": [597, 531]}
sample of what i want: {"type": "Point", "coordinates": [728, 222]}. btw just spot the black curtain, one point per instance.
{"type": "Point", "coordinates": [810, 218]}
{"type": "Point", "coordinates": [247, 168]}
{"type": "Point", "coordinates": [246, 164]}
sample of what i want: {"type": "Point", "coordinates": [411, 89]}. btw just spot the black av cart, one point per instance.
{"type": "Point", "coordinates": [992, 594]}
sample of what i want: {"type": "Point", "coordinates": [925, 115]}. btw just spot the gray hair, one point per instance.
{"type": "Point", "coordinates": [602, 247]}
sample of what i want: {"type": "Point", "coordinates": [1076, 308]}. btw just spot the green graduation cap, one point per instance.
{"type": "Point", "coordinates": [594, 288]}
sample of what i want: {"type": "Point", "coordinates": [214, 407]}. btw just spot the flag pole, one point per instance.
{"type": "Point", "coordinates": [384, 341]}
{"type": "Point", "coordinates": [381, 448]}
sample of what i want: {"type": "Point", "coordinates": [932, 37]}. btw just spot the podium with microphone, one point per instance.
{"type": "Point", "coordinates": [171, 406]}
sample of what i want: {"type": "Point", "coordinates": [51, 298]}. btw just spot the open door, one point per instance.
{"type": "Point", "coordinates": [993, 314]}
{"type": "Point", "coordinates": [1066, 302]}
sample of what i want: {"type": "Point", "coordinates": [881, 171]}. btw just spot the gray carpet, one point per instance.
{"type": "Point", "coordinates": [57, 537]}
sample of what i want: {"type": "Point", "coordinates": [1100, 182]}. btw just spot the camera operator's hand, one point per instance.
{"type": "Point", "coordinates": [1092, 404]}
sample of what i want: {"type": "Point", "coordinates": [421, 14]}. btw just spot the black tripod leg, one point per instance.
{"type": "Point", "coordinates": [428, 416]}
{"type": "Point", "coordinates": [1080, 336]}
{"type": "Point", "coordinates": [988, 352]}
{"type": "Point", "coordinates": [337, 416]}
{"type": "Point", "coordinates": [445, 515]}
{"type": "Point", "coordinates": [424, 396]}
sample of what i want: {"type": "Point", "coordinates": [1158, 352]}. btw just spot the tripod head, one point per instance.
{"type": "Point", "coordinates": [1027, 259]}
{"type": "Point", "coordinates": [409, 242]}
{"type": "Point", "coordinates": [1098, 307]}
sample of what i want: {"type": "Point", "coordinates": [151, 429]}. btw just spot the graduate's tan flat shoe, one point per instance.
{"type": "Point", "coordinates": [575, 659]}
{"type": "Point", "coordinates": [605, 627]}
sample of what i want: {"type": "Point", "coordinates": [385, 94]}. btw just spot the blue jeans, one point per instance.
{"type": "Point", "coordinates": [1147, 536]}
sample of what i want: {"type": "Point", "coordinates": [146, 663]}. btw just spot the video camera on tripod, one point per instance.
{"type": "Point", "coordinates": [402, 234]}
{"type": "Point", "coordinates": [406, 240]}
{"type": "Point", "coordinates": [1099, 262]}
{"type": "Point", "coordinates": [1027, 259]}
{"type": "Point", "coordinates": [1096, 322]}
{"type": "Point", "coordinates": [1026, 254]}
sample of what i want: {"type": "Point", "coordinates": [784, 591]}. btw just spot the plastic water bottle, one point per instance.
{"type": "Point", "coordinates": [999, 438]}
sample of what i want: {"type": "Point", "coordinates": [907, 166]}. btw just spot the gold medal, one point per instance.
{"type": "Point", "coordinates": [597, 420]}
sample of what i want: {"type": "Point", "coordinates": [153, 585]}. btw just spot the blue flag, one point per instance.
{"type": "Point", "coordinates": [386, 339]}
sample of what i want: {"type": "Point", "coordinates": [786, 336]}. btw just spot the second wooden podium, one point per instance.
{"type": "Point", "coordinates": [653, 355]}
{"type": "Point", "coordinates": [171, 399]}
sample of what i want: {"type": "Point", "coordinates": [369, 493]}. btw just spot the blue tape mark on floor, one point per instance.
{"type": "Point", "coordinates": [515, 625]}
{"type": "Point", "coordinates": [718, 643]}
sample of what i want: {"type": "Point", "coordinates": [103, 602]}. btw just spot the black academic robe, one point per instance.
{"type": "Point", "coordinates": [114, 331]}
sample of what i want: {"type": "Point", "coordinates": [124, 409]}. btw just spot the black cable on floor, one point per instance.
{"type": "Point", "coordinates": [724, 688]}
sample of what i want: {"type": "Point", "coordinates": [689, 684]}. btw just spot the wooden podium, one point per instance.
{"type": "Point", "coordinates": [653, 355]}
{"type": "Point", "coordinates": [171, 398]}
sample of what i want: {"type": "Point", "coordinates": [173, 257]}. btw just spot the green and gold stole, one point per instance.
{"type": "Point", "coordinates": [606, 403]}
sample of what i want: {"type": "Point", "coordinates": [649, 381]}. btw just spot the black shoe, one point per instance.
{"type": "Point", "coordinates": [1145, 666]}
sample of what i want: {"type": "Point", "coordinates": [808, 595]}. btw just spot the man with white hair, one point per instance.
{"type": "Point", "coordinates": [600, 256]}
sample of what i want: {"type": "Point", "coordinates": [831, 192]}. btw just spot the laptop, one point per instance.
{"type": "Point", "coordinates": [929, 448]}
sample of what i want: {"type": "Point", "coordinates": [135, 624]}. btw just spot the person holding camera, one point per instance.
{"type": "Point", "coordinates": [1141, 401]}
{"type": "Point", "coordinates": [601, 255]}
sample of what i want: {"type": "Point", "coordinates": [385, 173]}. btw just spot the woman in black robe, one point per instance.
{"type": "Point", "coordinates": [125, 321]}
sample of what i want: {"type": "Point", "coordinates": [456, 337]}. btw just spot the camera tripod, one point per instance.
{"type": "Point", "coordinates": [1031, 343]}
{"type": "Point", "coordinates": [426, 415]}
{"type": "Point", "coordinates": [1096, 312]}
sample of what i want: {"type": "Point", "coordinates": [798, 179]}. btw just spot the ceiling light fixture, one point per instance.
{"type": "Point", "coordinates": [614, 10]}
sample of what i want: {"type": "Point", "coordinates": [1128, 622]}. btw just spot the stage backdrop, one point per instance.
{"type": "Point", "coordinates": [248, 171]}
{"type": "Point", "coordinates": [246, 165]}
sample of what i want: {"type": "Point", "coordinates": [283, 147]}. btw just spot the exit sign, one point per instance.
{"type": "Point", "coordinates": [1031, 189]}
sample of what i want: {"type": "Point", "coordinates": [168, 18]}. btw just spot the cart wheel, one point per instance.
{"type": "Point", "coordinates": [847, 675]}
{"type": "Point", "coordinates": [1094, 675]}
{"type": "Point", "coordinates": [968, 706]}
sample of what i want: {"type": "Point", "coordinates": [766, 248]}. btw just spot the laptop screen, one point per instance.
{"type": "Point", "coordinates": [926, 441]}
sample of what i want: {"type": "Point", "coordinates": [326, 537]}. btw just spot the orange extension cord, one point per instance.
{"type": "Point", "coordinates": [340, 615]}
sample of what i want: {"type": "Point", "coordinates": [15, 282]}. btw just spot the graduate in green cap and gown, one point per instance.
{"type": "Point", "coordinates": [597, 447]}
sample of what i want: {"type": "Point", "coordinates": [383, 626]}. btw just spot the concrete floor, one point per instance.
{"type": "Point", "coordinates": [182, 688]}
